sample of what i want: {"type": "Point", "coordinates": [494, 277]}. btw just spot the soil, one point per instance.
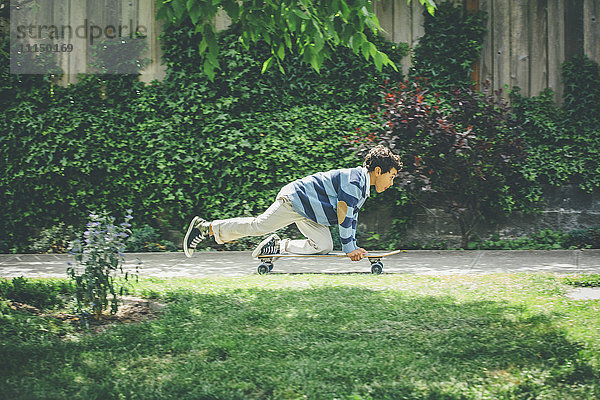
{"type": "Point", "coordinates": [131, 310]}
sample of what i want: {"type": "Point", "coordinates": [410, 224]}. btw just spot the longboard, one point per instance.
{"type": "Point", "coordinates": [374, 258]}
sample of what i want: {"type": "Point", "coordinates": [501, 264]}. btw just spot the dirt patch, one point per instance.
{"type": "Point", "coordinates": [132, 310]}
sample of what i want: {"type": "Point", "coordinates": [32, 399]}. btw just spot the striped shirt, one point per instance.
{"type": "Point", "coordinates": [316, 196]}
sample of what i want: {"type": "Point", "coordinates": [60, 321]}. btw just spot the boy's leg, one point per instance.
{"type": "Point", "coordinates": [318, 239]}
{"type": "Point", "coordinates": [277, 216]}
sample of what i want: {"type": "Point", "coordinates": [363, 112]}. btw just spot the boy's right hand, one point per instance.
{"type": "Point", "coordinates": [357, 254]}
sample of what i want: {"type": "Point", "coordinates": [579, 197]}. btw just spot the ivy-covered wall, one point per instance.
{"type": "Point", "coordinates": [173, 149]}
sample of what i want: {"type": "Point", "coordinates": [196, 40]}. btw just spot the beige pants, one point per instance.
{"type": "Point", "coordinates": [280, 214]}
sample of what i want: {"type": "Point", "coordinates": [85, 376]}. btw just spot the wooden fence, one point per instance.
{"type": "Point", "coordinates": [526, 43]}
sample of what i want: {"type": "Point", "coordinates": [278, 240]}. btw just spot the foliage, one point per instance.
{"type": "Point", "coordinates": [545, 239]}
{"type": "Point", "coordinates": [176, 148]}
{"type": "Point", "coordinates": [236, 87]}
{"type": "Point", "coordinates": [101, 257]}
{"type": "Point", "coordinates": [564, 143]}
{"type": "Point", "coordinates": [470, 160]}
{"type": "Point", "coordinates": [581, 78]}
{"type": "Point", "coordinates": [35, 293]}
{"type": "Point", "coordinates": [451, 44]}
{"type": "Point", "coordinates": [146, 238]}
{"type": "Point", "coordinates": [585, 238]}
{"type": "Point", "coordinates": [461, 145]}
{"type": "Point", "coordinates": [54, 240]}
{"type": "Point", "coordinates": [589, 280]}
{"type": "Point", "coordinates": [308, 28]}
{"type": "Point", "coordinates": [481, 336]}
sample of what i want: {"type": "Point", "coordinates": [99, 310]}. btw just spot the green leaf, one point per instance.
{"type": "Point", "coordinates": [195, 13]}
{"type": "Point", "coordinates": [232, 8]}
{"type": "Point", "coordinates": [202, 46]}
{"type": "Point", "coordinates": [281, 52]}
{"type": "Point", "coordinates": [162, 12]}
{"type": "Point", "coordinates": [301, 14]}
{"type": "Point", "coordinates": [356, 41]}
{"type": "Point", "coordinates": [430, 5]}
{"type": "Point", "coordinates": [378, 59]}
{"type": "Point", "coordinates": [267, 64]}
{"type": "Point", "coordinates": [366, 49]}
{"type": "Point", "coordinates": [179, 7]}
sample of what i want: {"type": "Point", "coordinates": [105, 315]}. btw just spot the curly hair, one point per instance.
{"type": "Point", "coordinates": [382, 157]}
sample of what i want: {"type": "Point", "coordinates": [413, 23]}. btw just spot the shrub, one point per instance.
{"type": "Point", "coordinates": [98, 260]}
{"type": "Point", "coordinates": [564, 143]}
{"type": "Point", "coordinates": [54, 240]}
{"type": "Point", "coordinates": [176, 148]}
{"type": "Point", "coordinates": [451, 44]}
{"type": "Point", "coordinates": [473, 169]}
{"type": "Point", "coordinates": [147, 238]}
{"type": "Point", "coordinates": [545, 239]}
{"type": "Point", "coordinates": [591, 280]}
{"type": "Point", "coordinates": [581, 78]}
{"type": "Point", "coordinates": [584, 238]}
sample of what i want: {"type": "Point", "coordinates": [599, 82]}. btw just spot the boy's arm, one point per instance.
{"type": "Point", "coordinates": [347, 227]}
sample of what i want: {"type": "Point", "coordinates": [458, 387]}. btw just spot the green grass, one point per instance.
{"type": "Point", "coordinates": [321, 337]}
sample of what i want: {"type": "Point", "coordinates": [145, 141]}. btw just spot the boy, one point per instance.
{"type": "Point", "coordinates": [314, 203]}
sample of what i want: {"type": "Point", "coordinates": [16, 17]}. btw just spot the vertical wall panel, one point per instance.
{"type": "Point", "coordinates": [418, 21]}
{"type": "Point", "coordinates": [78, 58]}
{"type": "Point", "coordinates": [538, 23]}
{"type": "Point", "coordinates": [403, 28]}
{"type": "Point", "coordinates": [61, 19]}
{"type": "Point", "coordinates": [555, 45]}
{"type": "Point", "coordinates": [519, 46]}
{"type": "Point", "coordinates": [384, 9]}
{"type": "Point", "coordinates": [501, 45]}
{"type": "Point", "coordinates": [487, 50]}
{"type": "Point", "coordinates": [154, 70]}
{"type": "Point", "coordinates": [591, 29]}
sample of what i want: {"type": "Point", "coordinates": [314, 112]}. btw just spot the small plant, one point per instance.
{"type": "Point", "coordinates": [101, 257]}
{"type": "Point", "coordinates": [147, 238]}
{"type": "Point", "coordinates": [54, 240]}
{"type": "Point", "coordinates": [587, 238]}
{"type": "Point", "coordinates": [546, 239]}
{"type": "Point", "coordinates": [591, 280]}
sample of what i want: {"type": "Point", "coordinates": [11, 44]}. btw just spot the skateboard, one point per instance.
{"type": "Point", "coordinates": [374, 258]}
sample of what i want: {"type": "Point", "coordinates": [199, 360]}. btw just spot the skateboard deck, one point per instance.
{"type": "Point", "coordinates": [374, 258]}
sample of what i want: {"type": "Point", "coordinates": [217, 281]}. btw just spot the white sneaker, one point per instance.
{"type": "Point", "coordinates": [269, 246]}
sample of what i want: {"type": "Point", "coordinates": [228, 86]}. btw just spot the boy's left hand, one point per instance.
{"type": "Point", "coordinates": [357, 254]}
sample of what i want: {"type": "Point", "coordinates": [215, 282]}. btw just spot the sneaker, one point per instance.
{"type": "Point", "coordinates": [197, 230]}
{"type": "Point", "coordinates": [267, 247]}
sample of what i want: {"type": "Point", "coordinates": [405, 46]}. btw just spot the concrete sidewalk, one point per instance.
{"type": "Point", "coordinates": [428, 262]}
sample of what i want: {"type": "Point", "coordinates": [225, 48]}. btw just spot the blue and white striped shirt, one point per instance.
{"type": "Point", "coordinates": [316, 196]}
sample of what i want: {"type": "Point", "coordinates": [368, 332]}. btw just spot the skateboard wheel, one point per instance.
{"type": "Point", "coordinates": [264, 269]}
{"type": "Point", "coordinates": [377, 268]}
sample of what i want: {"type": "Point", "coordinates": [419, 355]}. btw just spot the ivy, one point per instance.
{"type": "Point", "coordinates": [308, 28]}
{"type": "Point", "coordinates": [564, 142]}
{"type": "Point", "coordinates": [452, 43]}
{"type": "Point", "coordinates": [173, 149]}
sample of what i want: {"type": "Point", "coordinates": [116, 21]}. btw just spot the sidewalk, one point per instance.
{"type": "Point", "coordinates": [427, 262]}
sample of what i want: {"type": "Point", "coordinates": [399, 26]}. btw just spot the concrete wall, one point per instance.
{"type": "Point", "coordinates": [566, 208]}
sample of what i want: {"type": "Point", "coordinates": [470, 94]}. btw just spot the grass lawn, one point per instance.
{"type": "Point", "coordinates": [314, 336]}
